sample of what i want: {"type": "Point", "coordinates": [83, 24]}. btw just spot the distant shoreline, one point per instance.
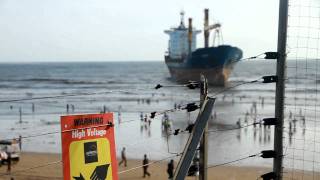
{"type": "Point", "coordinates": [84, 62]}
{"type": "Point", "coordinates": [113, 61]}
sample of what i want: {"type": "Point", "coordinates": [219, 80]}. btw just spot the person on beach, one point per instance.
{"type": "Point", "coordinates": [9, 162]}
{"type": "Point", "coordinates": [2, 157]}
{"type": "Point", "coordinates": [145, 118]}
{"type": "Point", "coordinates": [141, 116]}
{"type": "Point", "coordinates": [170, 169]}
{"type": "Point", "coordinates": [119, 110]}
{"type": "Point", "coordinates": [123, 157]}
{"type": "Point", "coordinates": [72, 108]}
{"type": "Point", "coordinates": [149, 121]}
{"type": "Point", "coordinates": [119, 114]}
{"type": "Point", "coordinates": [104, 109]}
{"type": "Point", "coordinates": [33, 108]}
{"type": "Point", "coordinates": [239, 123]}
{"type": "Point", "coordinates": [20, 142]}
{"type": "Point", "coordinates": [145, 163]}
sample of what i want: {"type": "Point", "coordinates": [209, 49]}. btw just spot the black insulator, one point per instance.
{"type": "Point", "coordinates": [268, 154]}
{"type": "Point", "coordinates": [269, 121]}
{"type": "Point", "coordinates": [153, 114]}
{"type": "Point", "coordinates": [271, 55]}
{"type": "Point", "coordinates": [269, 176]}
{"type": "Point", "coordinates": [158, 86]}
{"type": "Point", "coordinates": [191, 107]}
{"type": "Point", "coordinates": [193, 85]}
{"type": "Point", "coordinates": [110, 124]}
{"type": "Point", "coordinates": [270, 79]}
{"type": "Point", "coordinates": [189, 128]}
{"type": "Point", "coordinates": [176, 132]}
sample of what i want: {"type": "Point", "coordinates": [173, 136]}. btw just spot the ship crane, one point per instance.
{"type": "Point", "coordinates": [217, 36]}
{"type": "Point", "coordinates": [214, 26]}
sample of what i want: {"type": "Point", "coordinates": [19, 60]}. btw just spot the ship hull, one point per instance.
{"type": "Point", "coordinates": [215, 76]}
{"type": "Point", "coordinates": [215, 63]}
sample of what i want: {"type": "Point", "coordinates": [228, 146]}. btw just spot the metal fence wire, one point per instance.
{"type": "Point", "coordinates": [301, 141]}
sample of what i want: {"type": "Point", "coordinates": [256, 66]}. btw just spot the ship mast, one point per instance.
{"type": "Point", "coordinates": [190, 35]}
{"type": "Point", "coordinates": [206, 29]}
{"type": "Point", "coordinates": [182, 19]}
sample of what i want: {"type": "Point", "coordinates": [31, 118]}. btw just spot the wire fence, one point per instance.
{"type": "Point", "coordinates": [302, 150]}
{"type": "Point", "coordinates": [33, 137]}
{"type": "Point", "coordinates": [301, 133]}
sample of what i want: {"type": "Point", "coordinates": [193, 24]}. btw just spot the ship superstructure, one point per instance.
{"type": "Point", "coordinates": [178, 46]}
{"type": "Point", "coordinates": [185, 62]}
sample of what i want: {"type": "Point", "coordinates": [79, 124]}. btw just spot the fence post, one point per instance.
{"type": "Point", "coordinates": [203, 163]}
{"type": "Point", "coordinates": [280, 88]}
{"type": "Point", "coordinates": [194, 139]}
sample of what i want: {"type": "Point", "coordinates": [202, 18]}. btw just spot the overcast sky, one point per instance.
{"type": "Point", "coordinates": [124, 30]}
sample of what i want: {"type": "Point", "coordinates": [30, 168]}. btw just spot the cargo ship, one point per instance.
{"type": "Point", "coordinates": [186, 62]}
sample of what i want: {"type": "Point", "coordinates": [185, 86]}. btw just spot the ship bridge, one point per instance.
{"type": "Point", "coordinates": [178, 40]}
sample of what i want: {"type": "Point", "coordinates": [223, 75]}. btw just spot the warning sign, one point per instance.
{"type": "Point", "coordinates": [88, 147]}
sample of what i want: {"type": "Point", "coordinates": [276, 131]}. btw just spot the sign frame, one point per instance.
{"type": "Point", "coordinates": [88, 147]}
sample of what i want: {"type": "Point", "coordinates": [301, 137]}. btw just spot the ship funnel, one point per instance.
{"type": "Point", "coordinates": [206, 28]}
{"type": "Point", "coordinates": [190, 35]}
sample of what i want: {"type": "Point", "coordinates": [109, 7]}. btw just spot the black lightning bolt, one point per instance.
{"type": "Point", "coordinates": [79, 178]}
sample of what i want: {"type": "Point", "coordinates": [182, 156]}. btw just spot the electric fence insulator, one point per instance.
{"type": "Point", "coordinates": [176, 132]}
{"type": "Point", "coordinates": [271, 55]}
{"type": "Point", "coordinates": [268, 154]}
{"type": "Point", "coordinates": [110, 124]}
{"type": "Point", "coordinates": [190, 128]}
{"type": "Point", "coordinates": [270, 79]}
{"type": "Point", "coordinates": [268, 176]}
{"type": "Point", "coordinates": [158, 86]}
{"type": "Point", "coordinates": [191, 107]}
{"type": "Point", "coordinates": [193, 85]}
{"type": "Point", "coordinates": [153, 114]}
{"type": "Point", "coordinates": [269, 121]}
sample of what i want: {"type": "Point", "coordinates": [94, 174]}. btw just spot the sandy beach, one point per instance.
{"type": "Point", "coordinates": [23, 170]}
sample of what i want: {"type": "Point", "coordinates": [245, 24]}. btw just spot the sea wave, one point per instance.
{"type": "Point", "coordinates": [63, 81]}
{"type": "Point", "coordinates": [66, 81]}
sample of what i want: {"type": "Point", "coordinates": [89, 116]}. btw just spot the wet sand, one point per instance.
{"type": "Point", "coordinates": [157, 170]}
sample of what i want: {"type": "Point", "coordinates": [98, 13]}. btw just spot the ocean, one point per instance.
{"type": "Point", "coordinates": [128, 87]}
